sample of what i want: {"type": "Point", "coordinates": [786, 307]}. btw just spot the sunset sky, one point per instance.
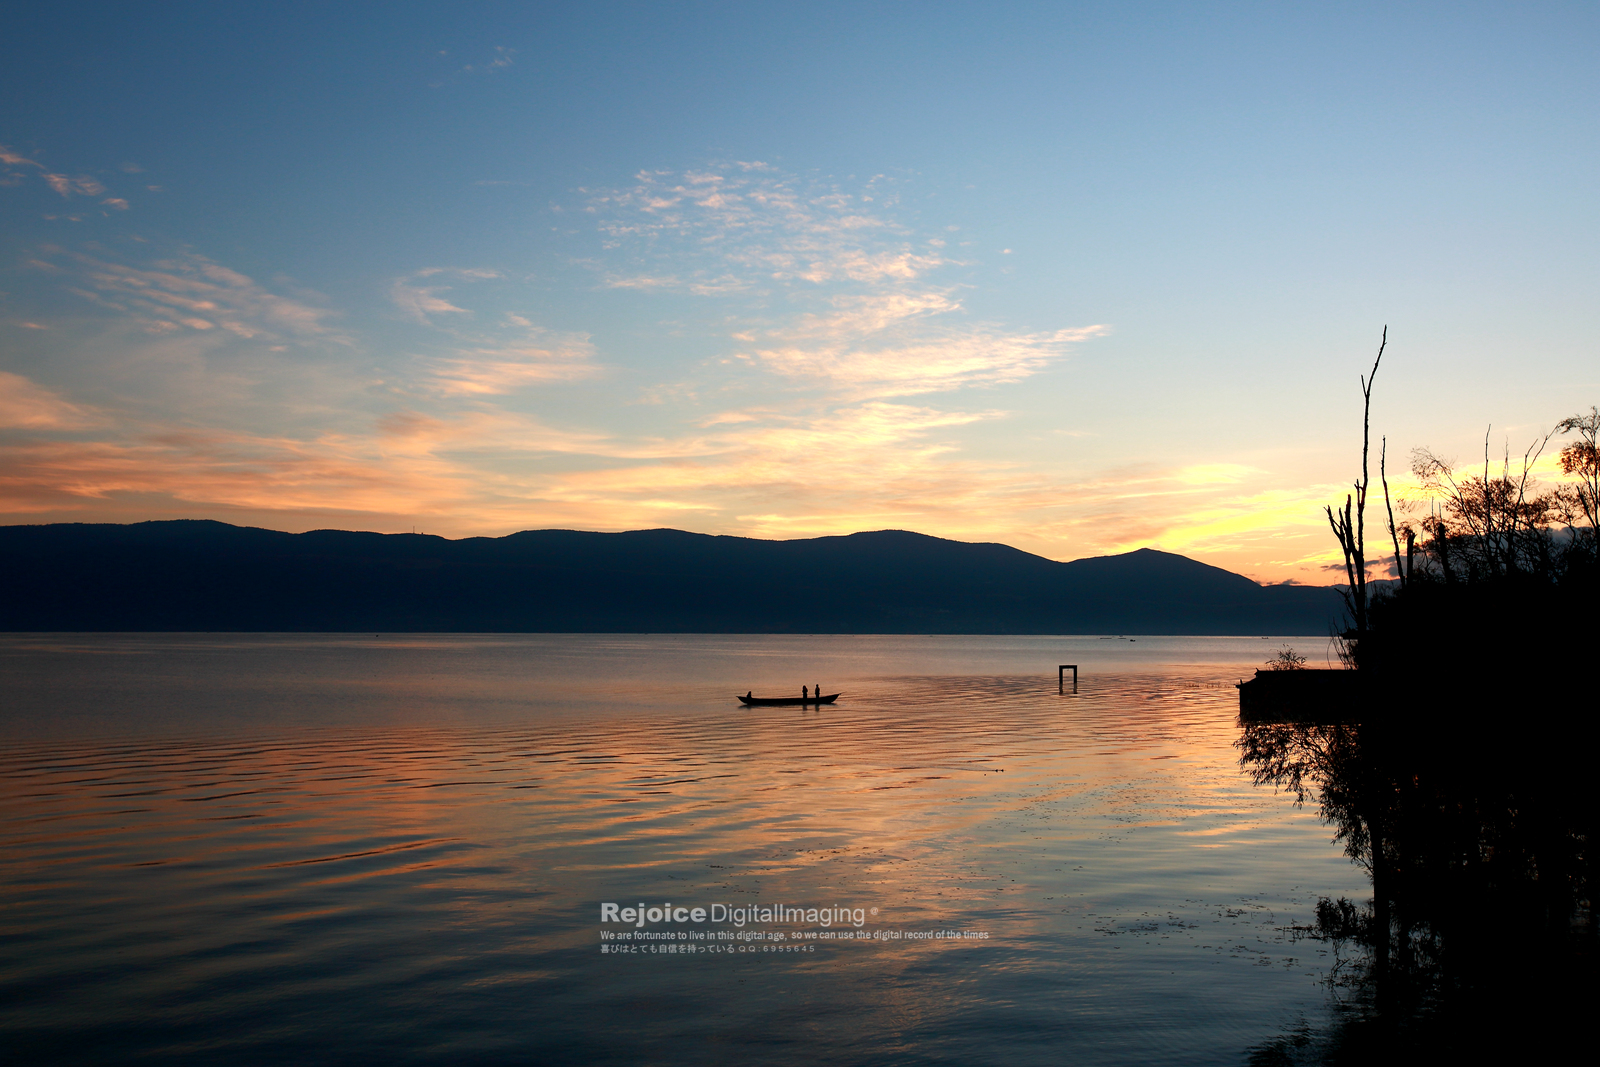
{"type": "Point", "coordinates": [1079, 278]}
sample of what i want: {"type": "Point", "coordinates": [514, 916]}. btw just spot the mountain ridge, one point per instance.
{"type": "Point", "coordinates": [201, 574]}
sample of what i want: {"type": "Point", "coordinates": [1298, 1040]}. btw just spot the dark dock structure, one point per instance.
{"type": "Point", "coordinates": [1306, 695]}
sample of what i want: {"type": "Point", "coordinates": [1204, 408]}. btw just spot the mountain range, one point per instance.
{"type": "Point", "coordinates": [200, 575]}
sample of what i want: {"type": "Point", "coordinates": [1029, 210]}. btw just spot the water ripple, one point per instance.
{"type": "Point", "coordinates": [296, 888]}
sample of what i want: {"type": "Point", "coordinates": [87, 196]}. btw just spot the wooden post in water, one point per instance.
{"type": "Point", "coordinates": [1061, 677]}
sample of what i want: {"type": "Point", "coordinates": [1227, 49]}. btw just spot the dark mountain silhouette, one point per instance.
{"type": "Point", "coordinates": [194, 575]}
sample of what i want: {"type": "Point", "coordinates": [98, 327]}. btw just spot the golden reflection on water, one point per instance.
{"type": "Point", "coordinates": [257, 890]}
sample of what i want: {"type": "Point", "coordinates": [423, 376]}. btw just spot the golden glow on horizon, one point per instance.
{"type": "Point", "coordinates": [841, 394]}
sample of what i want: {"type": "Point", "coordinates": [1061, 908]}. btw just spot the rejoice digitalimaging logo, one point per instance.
{"type": "Point", "coordinates": [723, 913]}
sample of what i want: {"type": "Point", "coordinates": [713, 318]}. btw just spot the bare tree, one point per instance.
{"type": "Point", "coordinates": [1402, 565]}
{"type": "Point", "coordinates": [1350, 525]}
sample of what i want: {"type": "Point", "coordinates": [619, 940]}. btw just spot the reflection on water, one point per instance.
{"type": "Point", "coordinates": [1478, 943]}
{"type": "Point", "coordinates": [270, 850]}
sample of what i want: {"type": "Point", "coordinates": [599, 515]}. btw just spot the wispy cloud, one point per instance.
{"type": "Point", "coordinates": [14, 166]}
{"type": "Point", "coordinates": [759, 222]}
{"type": "Point", "coordinates": [14, 159]}
{"type": "Point", "coordinates": [862, 314]}
{"type": "Point", "coordinates": [499, 59]}
{"type": "Point", "coordinates": [27, 405]}
{"type": "Point", "coordinates": [81, 184]}
{"type": "Point", "coordinates": [419, 302]}
{"type": "Point", "coordinates": [493, 370]}
{"type": "Point", "coordinates": [854, 315]}
{"type": "Point", "coordinates": [975, 357]}
{"type": "Point", "coordinates": [486, 355]}
{"type": "Point", "coordinates": [700, 286]}
{"type": "Point", "coordinates": [188, 292]}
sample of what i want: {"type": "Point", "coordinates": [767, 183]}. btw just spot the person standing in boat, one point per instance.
{"type": "Point", "coordinates": [802, 694]}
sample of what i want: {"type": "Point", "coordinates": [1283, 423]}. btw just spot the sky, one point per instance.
{"type": "Point", "coordinates": [1077, 278]}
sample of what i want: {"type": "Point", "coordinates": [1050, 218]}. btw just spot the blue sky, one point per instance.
{"type": "Point", "coordinates": [1078, 278]}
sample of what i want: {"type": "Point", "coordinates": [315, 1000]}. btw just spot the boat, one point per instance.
{"type": "Point", "coordinates": [772, 702]}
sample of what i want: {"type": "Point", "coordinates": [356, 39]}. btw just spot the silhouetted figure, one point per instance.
{"type": "Point", "coordinates": [747, 693]}
{"type": "Point", "coordinates": [818, 691]}
{"type": "Point", "coordinates": [803, 694]}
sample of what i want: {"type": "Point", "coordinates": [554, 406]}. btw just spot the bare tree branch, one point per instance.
{"type": "Point", "coordinates": [1351, 527]}
{"type": "Point", "coordinates": [1394, 534]}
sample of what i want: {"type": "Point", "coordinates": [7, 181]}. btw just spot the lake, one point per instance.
{"type": "Point", "coordinates": [266, 849]}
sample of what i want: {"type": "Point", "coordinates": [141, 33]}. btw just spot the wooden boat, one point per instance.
{"type": "Point", "coordinates": [772, 702]}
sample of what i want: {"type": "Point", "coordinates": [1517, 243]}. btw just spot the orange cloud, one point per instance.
{"type": "Point", "coordinates": [81, 184]}
{"type": "Point", "coordinates": [10, 158]}
{"type": "Point", "coordinates": [505, 369]}
{"type": "Point", "coordinates": [26, 405]}
{"type": "Point", "coordinates": [870, 465]}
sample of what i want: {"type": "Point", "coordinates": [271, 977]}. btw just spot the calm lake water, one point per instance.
{"type": "Point", "coordinates": [331, 849]}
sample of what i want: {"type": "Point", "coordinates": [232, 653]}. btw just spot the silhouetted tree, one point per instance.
{"type": "Point", "coordinates": [1286, 659]}
{"type": "Point", "coordinates": [1481, 930]}
{"type": "Point", "coordinates": [1581, 501]}
{"type": "Point", "coordinates": [1350, 524]}
{"type": "Point", "coordinates": [1491, 525]}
